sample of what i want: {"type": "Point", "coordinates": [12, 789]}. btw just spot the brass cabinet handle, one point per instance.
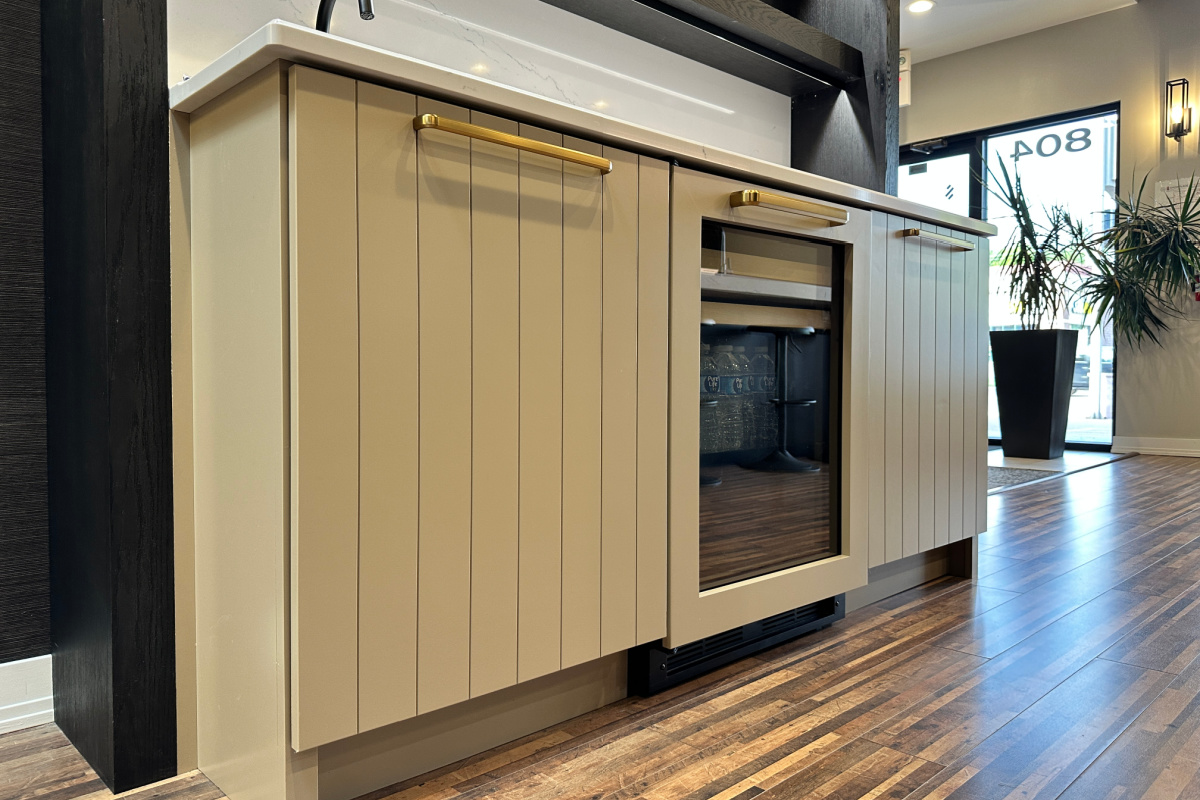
{"type": "Point", "coordinates": [805, 208]}
{"type": "Point", "coordinates": [940, 238]}
{"type": "Point", "coordinates": [519, 142]}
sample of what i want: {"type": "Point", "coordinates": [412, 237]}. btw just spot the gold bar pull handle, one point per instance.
{"type": "Point", "coordinates": [805, 208]}
{"type": "Point", "coordinates": [519, 142]}
{"type": "Point", "coordinates": [940, 238]}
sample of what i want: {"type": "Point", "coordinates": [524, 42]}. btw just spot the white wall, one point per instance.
{"type": "Point", "coordinates": [1125, 55]}
{"type": "Point", "coordinates": [523, 43]}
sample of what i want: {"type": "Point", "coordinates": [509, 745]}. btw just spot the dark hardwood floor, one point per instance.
{"type": "Point", "coordinates": [1068, 669]}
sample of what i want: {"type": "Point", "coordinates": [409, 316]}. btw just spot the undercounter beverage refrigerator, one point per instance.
{"type": "Point", "coordinates": [762, 513]}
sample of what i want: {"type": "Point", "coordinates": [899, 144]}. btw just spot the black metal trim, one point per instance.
{"type": "Point", "coordinates": [654, 668]}
{"type": "Point", "coordinates": [667, 26]}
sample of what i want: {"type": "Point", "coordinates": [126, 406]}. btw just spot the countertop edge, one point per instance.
{"type": "Point", "coordinates": [285, 41]}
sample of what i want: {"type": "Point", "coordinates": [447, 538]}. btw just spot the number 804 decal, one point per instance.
{"type": "Point", "coordinates": [1077, 141]}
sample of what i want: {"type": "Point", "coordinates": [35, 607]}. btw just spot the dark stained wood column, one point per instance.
{"type": "Point", "coordinates": [852, 135]}
{"type": "Point", "coordinates": [108, 383]}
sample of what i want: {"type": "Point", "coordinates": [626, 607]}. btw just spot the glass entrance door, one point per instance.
{"type": "Point", "coordinates": [1069, 161]}
{"type": "Point", "coordinates": [1072, 164]}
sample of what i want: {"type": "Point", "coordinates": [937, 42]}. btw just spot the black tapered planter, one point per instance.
{"type": "Point", "coordinates": [1033, 389]}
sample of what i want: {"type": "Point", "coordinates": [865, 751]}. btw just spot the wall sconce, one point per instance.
{"type": "Point", "coordinates": [1178, 112]}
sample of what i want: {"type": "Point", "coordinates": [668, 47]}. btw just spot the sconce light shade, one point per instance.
{"type": "Point", "coordinates": [1178, 113]}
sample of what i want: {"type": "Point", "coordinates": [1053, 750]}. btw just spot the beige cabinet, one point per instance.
{"type": "Point", "coordinates": [470, 384]}
{"type": "Point", "coordinates": [927, 388]}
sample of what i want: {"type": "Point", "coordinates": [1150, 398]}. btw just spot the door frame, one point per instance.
{"type": "Point", "coordinates": [974, 144]}
{"type": "Point", "coordinates": [694, 614]}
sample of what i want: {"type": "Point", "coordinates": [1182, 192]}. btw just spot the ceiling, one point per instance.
{"type": "Point", "coordinates": [955, 25]}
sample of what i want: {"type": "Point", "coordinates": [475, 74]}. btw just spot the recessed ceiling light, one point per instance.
{"type": "Point", "coordinates": [920, 6]}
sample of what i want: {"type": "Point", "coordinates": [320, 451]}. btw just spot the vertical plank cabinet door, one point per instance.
{"type": "Point", "coordinates": [653, 291]}
{"type": "Point", "coordinates": [495, 408]}
{"type": "Point", "coordinates": [911, 423]}
{"type": "Point", "coordinates": [444, 390]}
{"type": "Point", "coordinates": [582, 300]}
{"type": "Point", "coordinates": [958, 266]}
{"type": "Point", "coordinates": [324, 407]}
{"type": "Point", "coordinates": [895, 386]}
{"type": "Point", "coordinates": [877, 395]}
{"type": "Point", "coordinates": [974, 376]}
{"type": "Point", "coordinates": [983, 269]}
{"type": "Point", "coordinates": [539, 604]}
{"type": "Point", "coordinates": [941, 415]}
{"type": "Point", "coordinates": [388, 317]}
{"type": "Point", "coordinates": [618, 568]}
{"type": "Point", "coordinates": [927, 380]}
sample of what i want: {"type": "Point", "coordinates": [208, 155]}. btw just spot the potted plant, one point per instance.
{"type": "Point", "coordinates": [1140, 268]}
{"type": "Point", "coordinates": [1133, 273]}
{"type": "Point", "coordinates": [1034, 366]}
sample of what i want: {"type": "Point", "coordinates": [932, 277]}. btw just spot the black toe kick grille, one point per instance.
{"type": "Point", "coordinates": [653, 668]}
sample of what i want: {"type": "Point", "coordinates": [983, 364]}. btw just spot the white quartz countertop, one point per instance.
{"type": "Point", "coordinates": [285, 41]}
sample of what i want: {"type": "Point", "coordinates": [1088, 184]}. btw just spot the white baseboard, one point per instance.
{"type": "Point", "coordinates": [1152, 446]}
{"type": "Point", "coordinates": [26, 694]}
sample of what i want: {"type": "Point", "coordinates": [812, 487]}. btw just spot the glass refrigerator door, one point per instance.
{"type": "Point", "coordinates": [769, 399]}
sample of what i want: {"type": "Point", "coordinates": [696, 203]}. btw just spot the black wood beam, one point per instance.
{"type": "Point", "coordinates": [780, 33]}
{"type": "Point", "coordinates": [852, 135]}
{"type": "Point", "coordinates": [107, 273]}
{"type": "Point", "coordinates": [805, 60]}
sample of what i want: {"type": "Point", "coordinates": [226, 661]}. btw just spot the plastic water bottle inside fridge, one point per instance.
{"type": "Point", "coordinates": [767, 423]}
{"type": "Point", "coordinates": [750, 410]}
{"type": "Point", "coordinates": [729, 402]}
{"type": "Point", "coordinates": [710, 393]}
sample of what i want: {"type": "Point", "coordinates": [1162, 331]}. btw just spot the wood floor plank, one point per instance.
{"type": "Point", "coordinates": [995, 631]}
{"type": "Point", "coordinates": [861, 769]}
{"type": "Point", "coordinates": [40, 763]}
{"type": "Point", "coordinates": [958, 718]}
{"type": "Point", "coordinates": [1167, 642]}
{"type": "Point", "coordinates": [1155, 758]}
{"type": "Point", "coordinates": [1040, 752]}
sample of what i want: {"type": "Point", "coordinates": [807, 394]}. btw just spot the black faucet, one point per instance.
{"type": "Point", "coordinates": [366, 10]}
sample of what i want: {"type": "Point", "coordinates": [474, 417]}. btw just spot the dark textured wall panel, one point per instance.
{"type": "Point", "coordinates": [24, 567]}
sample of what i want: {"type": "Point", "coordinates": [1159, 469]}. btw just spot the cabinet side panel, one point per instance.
{"type": "Point", "coordinates": [444, 357]}
{"type": "Point", "coordinates": [388, 325]}
{"type": "Point", "coordinates": [877, 394]}
{"type": "Point", "coordinates": [894, 387]}
{"type": "Point", "coordinates": [911, 421]}
{"type": "Point", "coordinates": [941, 418]}
{"type": "Point", "coordinates": [539, 601]}
{"type": "Point", "coordinates": [927, 404]}
{"type": "Point", "coordinates": [653, 290]}
{"type": "Point", "coordinates": [618, 570]}
{"type": "Point", "coordinates": [583, 253]}
{"type": "Point", "coordinates": [983, 269]}
{"type": "Point", "coordinates": [495, 409]}
{"type": "Point", "coordinates": [240, 406]}
{"type": "Point", "coordinates": [973, 372]}
{"type": "Point", "coordinates": [324, 379]}
{"type": "Point", "coordinates": [958, 268]}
